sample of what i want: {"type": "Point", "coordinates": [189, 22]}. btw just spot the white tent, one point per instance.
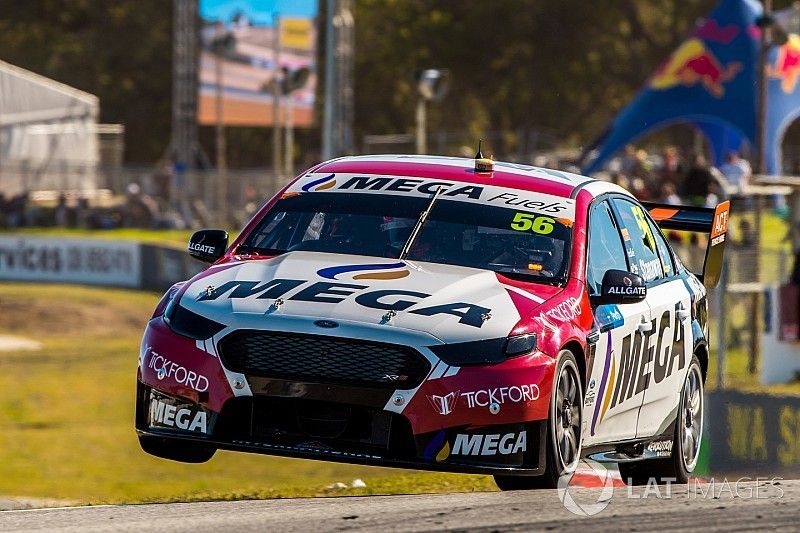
{"type": "Point", "coordinates": [48, 133]}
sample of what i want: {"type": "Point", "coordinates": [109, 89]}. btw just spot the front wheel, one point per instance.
{"type": "Point", "coordinates": [686, 441]}
{"type": "Point", "coordinates": [563, 430]}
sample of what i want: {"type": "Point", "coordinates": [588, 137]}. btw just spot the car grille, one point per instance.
{"type": "Point", "coordinates": [320, 359]}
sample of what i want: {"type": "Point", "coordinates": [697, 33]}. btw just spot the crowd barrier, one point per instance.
{"type": "Point", "coordinates": [94, 262]}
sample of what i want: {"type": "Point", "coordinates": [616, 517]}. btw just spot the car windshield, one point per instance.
{"type": "Point", "coordinates": [514, 242]}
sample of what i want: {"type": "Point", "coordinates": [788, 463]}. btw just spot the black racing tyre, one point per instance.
{"type": "Point", "coordinates": [176, 449]}
{"type": "Point", "coordinates": [563, 430]}
{"type": "Point", "coordinates": [686, 440]}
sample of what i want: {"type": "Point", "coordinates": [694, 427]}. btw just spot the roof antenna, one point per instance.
{"type": "Point", "coordinates": [483, 164]}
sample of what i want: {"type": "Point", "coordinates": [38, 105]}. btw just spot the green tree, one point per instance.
{"type": "Point", "coordinates": [120, 51]}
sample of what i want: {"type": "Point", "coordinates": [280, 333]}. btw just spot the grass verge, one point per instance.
{"type": "Point", "coordinates": [66, 416]}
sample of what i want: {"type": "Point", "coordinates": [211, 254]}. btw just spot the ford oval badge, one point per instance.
{"type": "Point", "coordinates": [326, 324]}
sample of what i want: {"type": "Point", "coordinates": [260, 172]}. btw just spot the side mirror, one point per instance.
{"type": "Point", "coordinates": [620, 287]}
{"type": "Point", "coordinates": [208, 245]}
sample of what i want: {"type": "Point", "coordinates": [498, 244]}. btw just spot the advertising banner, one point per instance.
{"type": "Point", "coordinates": [85, 261]}
{"type": "Point", "coordinates": [753, 432]}
{"type": "Point", "coordinates": [242, 42]}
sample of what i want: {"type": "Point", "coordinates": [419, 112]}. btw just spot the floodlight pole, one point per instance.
{"type": "Point", "coordinates": [328, 149]}
{"type": "Point", "coordinates": [276, 99]}
{"type": "Point", "coordinates": [761, 111]}
{"type": "Point", "coordinates": [222, 162]}
{"type": "Point", "coordinates": [288, 156]}
{"type": "Point", "coordinates": [761, 150]}
{"type": "Point", "coordinates": [422, 145]}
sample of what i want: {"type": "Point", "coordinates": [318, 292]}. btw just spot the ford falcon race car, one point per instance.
{"type": "Point", "coordinates": [442, 314]}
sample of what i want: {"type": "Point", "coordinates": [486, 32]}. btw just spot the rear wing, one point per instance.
{"type": "Point", "coordinates": [713, 222]}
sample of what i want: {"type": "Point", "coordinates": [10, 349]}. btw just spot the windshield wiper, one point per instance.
{"type": "Point", "coordinates": [418, 226]}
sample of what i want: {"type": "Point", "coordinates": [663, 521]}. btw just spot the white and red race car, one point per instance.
{"type": "Point", "coordinates": [444, 314]}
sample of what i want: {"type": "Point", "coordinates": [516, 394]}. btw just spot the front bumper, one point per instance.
{"type": "Point", "coordinates": [380, 440]}
{"type": "Point", "coordinates": [488, 420]}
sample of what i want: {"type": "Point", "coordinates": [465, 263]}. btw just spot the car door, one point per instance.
{"type": "Point", "coordinates": [664, 352]}
{"type": "Point", "coordinates": [611, 409]}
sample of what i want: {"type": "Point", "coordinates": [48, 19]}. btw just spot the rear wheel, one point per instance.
{"type": "Point", "coordinates": [563, 430]}
{"type": "Point", "coordinates": [686, 440]}
{"type": "Point", "coordinates": [176, 449]}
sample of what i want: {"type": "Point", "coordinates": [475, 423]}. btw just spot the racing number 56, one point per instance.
{"type": "Point", "coordinates": [526, 221]}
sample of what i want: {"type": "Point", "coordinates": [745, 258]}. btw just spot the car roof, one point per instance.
{"type": "Point", "coordinates": [511, 175]}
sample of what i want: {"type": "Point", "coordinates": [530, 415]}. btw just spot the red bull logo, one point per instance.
{"type": "Point", "coordinates": [693, 64]}
{"type": "Point", "coordinates": [787, 65]}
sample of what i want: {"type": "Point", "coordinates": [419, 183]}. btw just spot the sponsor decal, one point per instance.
{"type": "Point", "coordinates": [320, 184]}
{"type": "Point", "coordinates": [608, 317]}
{"type": "Point", "coordinates": [661, 448]}
{"type": "Point", "coordinates": [609, 369]}
{"type": "Point", "coordinates": [165, 368]}
{"type": "Point", "coordinates": [665, 349]}
{"type": "Point", "coordinates": [374, 271]}
{"type": "Point", "coordinates": [720, 224]}
{"type": "Point", "coordinates": [567, 310]}
{"type": "Point", "coordinates": [438, 448]}
{"type": "Point", "coordinates": [650, 269]}
{"type": "Point", "coordinates": [202, 248]}
{"type": "Point", "coordinates": [627, 290]}
{"type": "Point", "coordinates": [444, 405]}
{"type": "Point", "coordinates": [501, 395]}
{"type": "Point", "coordinates": [164, 414]}
{"type": "Point", "coordinates": [334, 293]}
{"type": "Point", "coordinates": [326, 324]}
{"type": "Point", "coordinates": [492, 444]}
{"type": "Point", "coordinates": [469, 192]}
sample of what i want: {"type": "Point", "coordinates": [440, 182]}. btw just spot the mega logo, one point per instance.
{"type": "Point", "coordinates": [453, 190]}
{"type": "Point", "coordinates": [493, 444]}
{"type": "Point", "coordinates": [167, 415]}
{"type": "Point", "coordinates": [666, 351]}
{"type": "Point", "coordinates": [333, 293]}
{"type": "Point", "coordinates": [377, 271]}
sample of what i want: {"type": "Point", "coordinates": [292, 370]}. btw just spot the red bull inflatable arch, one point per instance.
{"type": "Point", "coordinates": [710, 82]}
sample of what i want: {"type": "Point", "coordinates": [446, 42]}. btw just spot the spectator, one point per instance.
{"type": "Point", "coordinates": [618, 178]}
{"type": "Point", "coordinates": [639, 190]}
{"type": "Point", "coordinates": [669, 195]}
{"type": "Point", "coordinates": [141, 211]}
{"type": "Point", "coordinates": [628, 162]}
{"type": "Point", "coordinates": [698, 181]}
{"type": "Point", "coordinates": [736, 170]}
{"type": "Point", "coordinates": [672, 168]}
{"type": "Point", "coordinates": [62, 211]}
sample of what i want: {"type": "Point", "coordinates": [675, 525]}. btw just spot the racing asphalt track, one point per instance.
{"type": "Point", "coordinates": [776, 507]}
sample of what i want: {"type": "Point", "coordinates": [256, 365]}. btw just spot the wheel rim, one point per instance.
{"type": "Point", "coordinates": [691, 428]}
{"type": "Point", "coordinates": [567, 417]}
